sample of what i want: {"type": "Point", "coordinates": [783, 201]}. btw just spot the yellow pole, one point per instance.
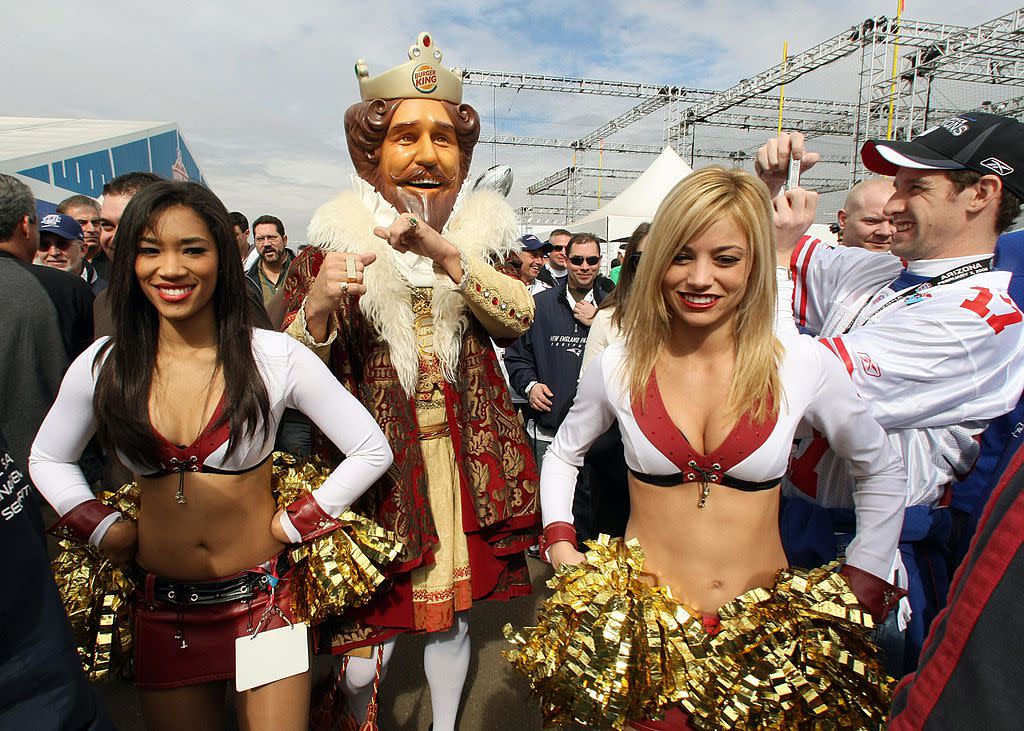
{"type": "Point", "coordinates": [895, 66]}
{"type": "Point", "coordinates": [782, 89]}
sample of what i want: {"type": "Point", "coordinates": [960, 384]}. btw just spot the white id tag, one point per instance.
{"type": "Point", "coordinates": [271, 655]}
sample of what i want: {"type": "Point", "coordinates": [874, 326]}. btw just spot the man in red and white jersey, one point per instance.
{"type": "Point", "coordinates": [933, 342]}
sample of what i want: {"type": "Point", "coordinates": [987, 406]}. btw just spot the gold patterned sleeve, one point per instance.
{"type": "Point", "coordinates": [298, 330]}
{"type": "Point", "coordinates": [500, 301]}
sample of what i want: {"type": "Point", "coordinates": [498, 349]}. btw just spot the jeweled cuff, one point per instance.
{"type": "Point", "coordinates": [555, 532]}
{"type": "Point", "coordinates": [79, 523]}
{"type": "Point", "coordinates": [299, 330]}
{"type": "Point", "coordinates": [876, 595]}
{"type": "Point", "coordinates": [502, 303]}
{"type": "Point", "coordinates": [309, 518]}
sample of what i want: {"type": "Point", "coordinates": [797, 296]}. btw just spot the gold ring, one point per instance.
{"type": "Point", "coordinates": [344, 287]}
{"type": "Point", "coordinates": [413, 223]}
{"type": "Point", "coordinates": [350, 269]}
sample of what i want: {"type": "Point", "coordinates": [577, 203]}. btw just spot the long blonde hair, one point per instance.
{"type": "Point", "coordinates": [699, 200]}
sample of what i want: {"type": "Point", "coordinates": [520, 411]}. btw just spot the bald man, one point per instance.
{"type": "Point", "coordinates": [861, 219]}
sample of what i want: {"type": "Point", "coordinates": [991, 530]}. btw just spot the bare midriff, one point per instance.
{"type": "Point", "coordinates": [706, 556]}
{"type": "Point", "coordinates": [222, 528]}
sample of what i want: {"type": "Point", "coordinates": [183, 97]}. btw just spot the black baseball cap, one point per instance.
{"type": "Point", "coordinates": [986, 143]}
{"type": "Point", "coordinates": [532, 243]}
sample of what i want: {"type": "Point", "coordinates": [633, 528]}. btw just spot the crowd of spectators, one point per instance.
{"type": "Point", "coordinates": [934, 376]}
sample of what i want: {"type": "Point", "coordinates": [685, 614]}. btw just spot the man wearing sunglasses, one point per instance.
{"type": "Point", "coordinates": [556, 268]}
{"type": "Point", "coordinates": [544, 364]}
{"type": "Point", "coordinates": [62, 246]}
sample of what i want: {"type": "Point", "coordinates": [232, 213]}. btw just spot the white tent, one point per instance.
{"type": "Point", "coordinates": [618, 217]}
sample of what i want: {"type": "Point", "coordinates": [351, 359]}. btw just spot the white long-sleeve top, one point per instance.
{"type": "Point", "coordinates": [933, 368]}
{"type": "Point", "coordinates": [818, 395]}
{"type": "Point", "coordinates": [295, 378]}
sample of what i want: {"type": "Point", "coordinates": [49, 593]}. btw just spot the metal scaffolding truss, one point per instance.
{"type": "Point", "coordinates": [563, 175]}
{"type": "Point", "coordinates": [654, 97]}
{"type": "Point", "coordinates": [984, 71]}
{"type": "Point", "coordinates": [990, 51]}
{"type": "Point", "coordinates": [566, 144]}
{"type": "Point", "coordinates": [892, 95]}
{"type": "Point", "coordinates": [563, 84]}
{"type": "Point", "coordinates": [1009, 107]}
{"type": "Point", "coordinates": [641, 110]}
{"type": "Point", "coordinates": [770, 121]}
{"type": "Point", "coordinates": [796, 66]}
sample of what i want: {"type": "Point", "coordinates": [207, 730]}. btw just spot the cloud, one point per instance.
{"type": "Point", "coordinates": [259, 89]}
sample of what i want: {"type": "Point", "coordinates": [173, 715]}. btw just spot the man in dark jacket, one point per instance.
{"type": "Point", "coordinates": [544, 364]}
{"type": "Point", "coordinates": [47, 322]}
{"type": "Point", "coordinates": [270, 271]}
{"type": "Point", "coordinates": [967, 675]}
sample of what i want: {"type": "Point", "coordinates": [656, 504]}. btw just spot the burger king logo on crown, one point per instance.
{"type": "Point", "coordinates": [422, 76]}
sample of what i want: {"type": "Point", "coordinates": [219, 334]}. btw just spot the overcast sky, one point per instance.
{"type": "Point", "coordinates": [259, 88]}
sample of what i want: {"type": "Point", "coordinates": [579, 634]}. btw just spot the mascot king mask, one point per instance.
{"type": "Point", "coordinates": [411, 137]}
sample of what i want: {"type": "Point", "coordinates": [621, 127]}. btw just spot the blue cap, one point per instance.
{"type": "Point", "coordinates": [64, 226]}
{"type": "Point", "coordinates": [532, 243]}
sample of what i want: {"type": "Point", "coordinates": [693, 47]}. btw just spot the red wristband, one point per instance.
{"type": "Point", "coordinates": [877, 595]}
{"type": "Point", "coordinates": [309, 518]}
{"type": "Point", "coordinates": [555, 532]}
{"type": "Point", "coordinates": [79, 523]}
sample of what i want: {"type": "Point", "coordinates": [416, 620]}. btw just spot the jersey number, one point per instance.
{"type": "Point", "coordinates": [979, 306]}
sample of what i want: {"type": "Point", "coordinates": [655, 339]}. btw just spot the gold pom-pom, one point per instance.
{"type": "Point", "coordinates": [608, 648]}
{"type": "Point", "coordinates": [96, 596]}
{"type": "Point", "coordinates": [342, 569]}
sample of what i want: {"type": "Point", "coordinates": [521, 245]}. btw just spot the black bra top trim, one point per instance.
{"type": "Point", "coordinates": [726, 481]}
{"type": "Point", "coordinates": [212, 470]}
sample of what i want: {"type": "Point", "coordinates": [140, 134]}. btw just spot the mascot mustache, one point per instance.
{"type": "Point", "coordinates": [419, 173]}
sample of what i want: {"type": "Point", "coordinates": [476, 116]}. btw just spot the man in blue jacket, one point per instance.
{"type": "Point", "coordinates": [544, 364]}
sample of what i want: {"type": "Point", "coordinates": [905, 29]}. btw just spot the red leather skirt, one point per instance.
{"type": "Point", "coordinates": [675, 720]}
{"type": "Point", "coordinates": [187, 644]}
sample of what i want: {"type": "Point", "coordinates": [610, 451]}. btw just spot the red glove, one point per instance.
{"type": "Point", "coordinates": [309, 518]}
{"type": "Point", "coordinates": [555, 532]}
{"type": "Point", "coordinates": [78, 523]}
{"type": "Point", "coordinates": [874, 594]}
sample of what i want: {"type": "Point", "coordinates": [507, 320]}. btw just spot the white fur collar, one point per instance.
{"type": "Point", "coordinates": [482, 226]}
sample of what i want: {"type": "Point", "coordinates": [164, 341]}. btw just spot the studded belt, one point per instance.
{"type": "Point", "coordinates": [175, 592]}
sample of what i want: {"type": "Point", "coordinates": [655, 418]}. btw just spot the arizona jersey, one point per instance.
{"type": "Point", "coordinates": [935, 350]}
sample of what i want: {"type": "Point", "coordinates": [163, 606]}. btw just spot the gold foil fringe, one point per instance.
{"type": "Point", "coordinates": [96, 595]}
{"type": "Point", "coordinates": [333, 574]}
{"type": "Point", "coordinates": [608, 648]}
{"type": "Point", "coordinates": [342, 569]}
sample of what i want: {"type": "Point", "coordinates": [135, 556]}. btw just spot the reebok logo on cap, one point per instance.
{"type": "Point", "coordinates": [997, 166]}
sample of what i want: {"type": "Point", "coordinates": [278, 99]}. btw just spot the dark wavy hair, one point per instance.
{"type": "Point", "coordinates": [121, 401]}
{"type": "Point", "coordinates": [1009, 203]}
{"type": "Point", "coordinates": [366, 126]}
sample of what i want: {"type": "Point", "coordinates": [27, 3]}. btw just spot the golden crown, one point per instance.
{"type": "Point", "coordinates": [422, 77]}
